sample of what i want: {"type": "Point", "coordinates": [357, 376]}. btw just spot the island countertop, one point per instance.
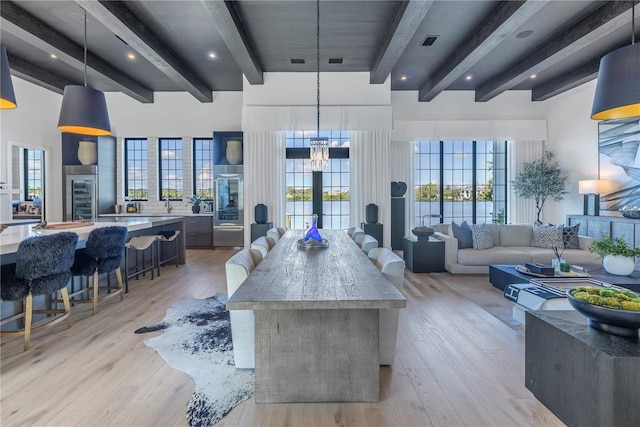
{"type": "Point", "coordinates": [11, 237]}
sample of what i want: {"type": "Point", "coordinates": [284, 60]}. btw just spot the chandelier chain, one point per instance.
{"type": "Point", "coordinates": [85, 47]}
{"type": "Point", "coordinates": [318, 66]}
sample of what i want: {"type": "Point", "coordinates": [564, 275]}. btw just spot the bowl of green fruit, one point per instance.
{"type": "Point", "coordinates": [610, 309]}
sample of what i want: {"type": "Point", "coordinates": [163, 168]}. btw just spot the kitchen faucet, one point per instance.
{"type": "Point", "coordinates": [167, 204]}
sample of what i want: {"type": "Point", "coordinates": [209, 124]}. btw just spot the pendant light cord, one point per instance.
{"type": "Point", "coordinates": [85, 47]}
{"type": "Point", "coordinates": [318, 65]}
{"type": "Point", "coordinates": [633, 23]}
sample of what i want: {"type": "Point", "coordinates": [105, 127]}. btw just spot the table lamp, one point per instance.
{"type": "Point", "coordinates": [591, 188]}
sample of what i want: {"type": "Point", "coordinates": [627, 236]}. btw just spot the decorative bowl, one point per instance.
{"type": "Point", "coordinates": [627, 213]}
{"type": "Point", "coordinates": [423, 232]}
{"type": "Point", "coordinates": [618, 322]}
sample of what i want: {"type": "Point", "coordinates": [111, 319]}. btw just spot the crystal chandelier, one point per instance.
{"type": "Point", "coordinates": [319, 146]}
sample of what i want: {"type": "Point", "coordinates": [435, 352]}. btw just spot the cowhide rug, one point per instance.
{"type": "Point", "coordinates": [196, 339]}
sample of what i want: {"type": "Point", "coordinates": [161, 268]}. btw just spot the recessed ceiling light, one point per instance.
{"type": "Point", "coordinates": [53, 56]}
{"type": "Point", "coordinates": [533, 76]}
{"type": "Point", "coordinates": [469, 77]}
{"type": "Point", "coordinates": [131, 56]}
{"type": "Point", "coordinates": [403, 78]}
{"type": "Point", "coordinates": [212, 55]}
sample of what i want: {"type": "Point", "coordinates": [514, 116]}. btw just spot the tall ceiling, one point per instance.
{"type": "Point", "coordinates": [546, 46]}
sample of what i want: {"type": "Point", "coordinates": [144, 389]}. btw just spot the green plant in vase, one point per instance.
{"type": "Point", "coordinates": [195, 203]}
{"type": "Point", "coordinates": [617, 255]}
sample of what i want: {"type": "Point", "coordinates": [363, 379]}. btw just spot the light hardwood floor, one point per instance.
{"type": "Point", "coordinates": [456, 365]}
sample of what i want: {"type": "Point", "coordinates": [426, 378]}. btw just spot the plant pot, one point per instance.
{"type": "Point", "coordinates": [195, 209]}
{"type": "Point", "coordinates": [260, 212]}
{"type": "Point", "coordinates": [618, 265]}
{"type": "Point", "coordinates": [371, 213]}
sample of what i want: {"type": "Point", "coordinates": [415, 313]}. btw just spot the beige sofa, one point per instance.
{"type": "Point", "coordinates": [511, 245]}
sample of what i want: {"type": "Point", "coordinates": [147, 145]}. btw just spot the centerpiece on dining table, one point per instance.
{"type": "Point", "coordinates": [312, 238]}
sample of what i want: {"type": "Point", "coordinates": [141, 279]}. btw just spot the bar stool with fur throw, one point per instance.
{"type": "Point", "coordinates": [102, 254]}
{"type": "Point", "coordinates": [43, 267]}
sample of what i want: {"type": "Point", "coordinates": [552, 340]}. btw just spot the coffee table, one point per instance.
{"type": "Point", "coordinates": [501, 276]}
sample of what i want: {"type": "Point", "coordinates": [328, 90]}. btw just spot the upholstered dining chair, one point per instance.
{"type": "Point", "coordinates": [102, 254]}
{"type": "Point", "coordinates": [237, 269]}
{"type": "Point", "coordinates": [357, 231]}
{"type": "Point", "coordinates": [366, 242]}
{"type": "Point", "coordinates": [392, 266]}
{"type": "Point", "coordinates": [275, 233]}
{"type": "Point", "coordinates": [263, 244]}
{"type": "Point", "coordinates": [43, 267]}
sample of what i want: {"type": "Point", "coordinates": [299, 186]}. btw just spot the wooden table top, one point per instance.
{"type": "Point", "coordinates": [338, 277]}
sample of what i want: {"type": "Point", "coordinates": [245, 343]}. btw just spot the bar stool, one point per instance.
{"type": "Point", "coordinates": [164, 237]}
{"type": "Point", "coordinates": [102, 254]}
{"type": "Point", "coordinates": [43, 267]}
{"type": "Point", "coordinates": [139, 244]}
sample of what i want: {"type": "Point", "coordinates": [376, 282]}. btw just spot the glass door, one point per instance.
{"type": "Point", "coordinates": [83, 194]}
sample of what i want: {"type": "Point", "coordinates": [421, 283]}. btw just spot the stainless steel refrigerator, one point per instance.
{"type": "Point", "coordinates": [81, 192]}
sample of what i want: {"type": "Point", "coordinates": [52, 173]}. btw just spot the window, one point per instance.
{"type": "Point", "coordinates": [170, 169]}
{"type": "Point", "coordinates": [203, 167]}
{"type": "Point", "coordinates": [325, 193]}
{"type": "Point", "coordinates": [459, 180]}
{"type": "Point", "coordinates": [136, 183]}
{"type": "Point", "coordinates": [33, 173]}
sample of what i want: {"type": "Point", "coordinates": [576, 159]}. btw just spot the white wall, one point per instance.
{"type": "Point", "coordinates": [34, 124]}
{"type": "Point", "coordinates": [573, 137]}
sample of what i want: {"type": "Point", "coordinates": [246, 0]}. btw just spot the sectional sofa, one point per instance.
{"type": "Point", "coordinates": [511, 245]}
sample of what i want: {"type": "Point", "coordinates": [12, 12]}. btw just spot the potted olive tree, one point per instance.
{"type": "Point", "coordinates": [539, 180]}
{"type": "Point", "coordinates": [617, 256]}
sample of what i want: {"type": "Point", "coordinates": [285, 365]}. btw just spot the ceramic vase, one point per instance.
{"type": "Point", "coordinates": [234, 152]}
{"type": "Point", "coordinates": [618, 265]}
{"type": "Point", "coordinates": [260, 212]}
{"type": "Point", "coordinates": [371, 213]}
{"type": "Point", "coordinates": [87, 152]}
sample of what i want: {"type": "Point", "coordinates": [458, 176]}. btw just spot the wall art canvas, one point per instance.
{"type": "Point", "coordinates": [619, 162]}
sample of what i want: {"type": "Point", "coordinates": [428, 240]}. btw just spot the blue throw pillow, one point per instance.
{"type": "Point", "coordinates": [463, 233]}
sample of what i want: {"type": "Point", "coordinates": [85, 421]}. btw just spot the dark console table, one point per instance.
{"type": "Point", "coordinates": [259, 230]}
{"type": "Point", "coordinates": [423, 256]}
{"type": "Point", "coordinates": [584, 376]}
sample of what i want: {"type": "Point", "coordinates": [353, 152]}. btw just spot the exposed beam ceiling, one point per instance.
{"type": "Point", "coordinates": [234, 35]}
{"type": "Point", "coordinates": [504, 20]}
{"type": "Point", "coordinates": [34, 74]}
{"type": "Point", "coordinates": [406, 21]}
{"type": "Point", "coordinates": [596, 25]}
{"type": "Point", "coordinates": [117, 17]}
{"type": "Point", "coordinates": [20, 23]}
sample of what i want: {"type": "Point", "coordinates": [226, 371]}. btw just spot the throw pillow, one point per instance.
{"type": "Point", "coordinates": [462, 232]}
{"type": "Point", "coordinates": [547, 236]}
{"type": "Point", "coordinates": [481, 236]}
{"type": "Point", "coordinates": [570, 237]}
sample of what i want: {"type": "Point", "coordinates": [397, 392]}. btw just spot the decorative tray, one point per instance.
{"type": "Point", "coordinates": [313, 244]}
{"type": "Point", "coordinates": [576, 271]}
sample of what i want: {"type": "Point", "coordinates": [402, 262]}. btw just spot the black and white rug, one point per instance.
{"type": "Point", "coordinates": [196, 340]}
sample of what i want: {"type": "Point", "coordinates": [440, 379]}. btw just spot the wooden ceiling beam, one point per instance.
{"type": "Point", "coordinates": [19, 23]}
{"type": "Point", "coordinates": [506, 18]}
{"type": "Point", "coordinates": [36, 75]}
{"type": "Point", "coordinates": [603, 21]}
{"type": "Point", "coordinates": [119, 19]}
{"type": "Point", "coordinates": [406, 21]}
{"type": "Point", "coordinates": [230, 27]}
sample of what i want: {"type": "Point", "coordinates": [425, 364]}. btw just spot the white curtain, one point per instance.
{"type": "Point", "coordinates": [401, 170]}
{"type": "Point", "coordinates": [264, 177]}
{"type": "Point", "coordinates": [369, 161]}
{"type": "Point", "coordinates": [520, 210]}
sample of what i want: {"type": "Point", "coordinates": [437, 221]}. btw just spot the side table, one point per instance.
{"type": "Point", "coordinates": [586, 377]}
{"type": "Point", "coordinates": [259, 230]}
{"type": "Point", "coordinates": [374, 230]}
{"type": "Point", "coordinates": [423, 256]}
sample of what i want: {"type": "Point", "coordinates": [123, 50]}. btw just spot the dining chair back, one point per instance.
{"type": "Point", "coordinates": [263, 244]}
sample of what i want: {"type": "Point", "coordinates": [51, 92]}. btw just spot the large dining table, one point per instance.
{"type": "Point", "coordinates": [316, 321]}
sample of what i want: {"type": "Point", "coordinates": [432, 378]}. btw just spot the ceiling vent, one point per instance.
{"type": "Point", "coordinates": [429, 40]}
{"type": "Point", "coordinates": [335, 60]}
{"type": "Point", "coordinates": [297, 61]}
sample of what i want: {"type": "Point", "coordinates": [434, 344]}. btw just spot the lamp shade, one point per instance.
{"type": "Point", "coordinates": [7, 95]}
{"type": "Point", "coordinates": [84, 111]}
{"type": "Point", "coordinates": [618, 88]}
{"type": "Point", "coordinates": [592, 186]}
